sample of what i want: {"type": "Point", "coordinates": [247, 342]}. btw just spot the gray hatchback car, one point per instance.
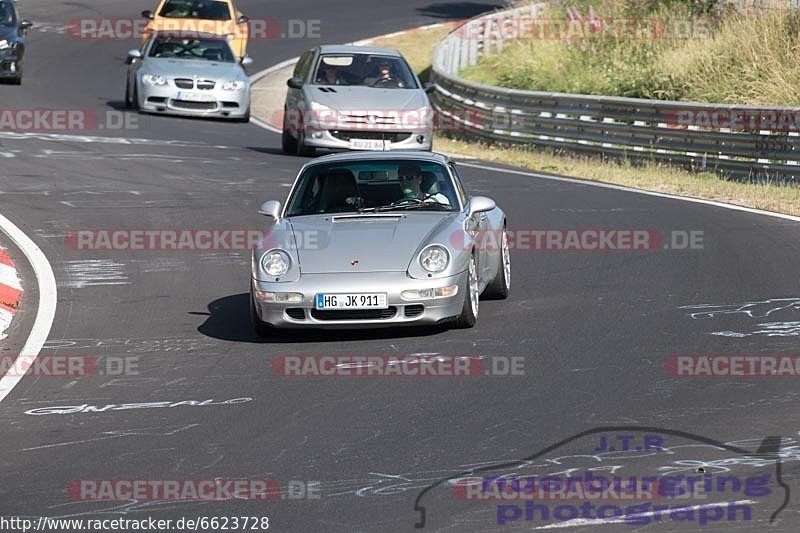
{"type": "Point", "coordinates": [356, 98]}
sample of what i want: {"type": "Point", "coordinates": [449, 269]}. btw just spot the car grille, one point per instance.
{"type": "Point", "coordinates": [196, 106]}
{"type": "Point", "coordinates": [184, 83]}
{"type": "Point", "coordinates": [354, 314]}
{"type": "Point", "coordinates": [296, 313]}
{"type": "Point", "coordinates": [390, 136]}
{"type": "Point", "coordinates": [369, 119]}
{"type": "Point", "coordinates": [412, 311]}
{"type": "Point", "coordinates": [205, 85]}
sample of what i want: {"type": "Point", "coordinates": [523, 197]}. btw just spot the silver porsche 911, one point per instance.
{"type": "Point", "coordinates": [195, 76]}
{"type": "Point", "coordinates": [376, 239]}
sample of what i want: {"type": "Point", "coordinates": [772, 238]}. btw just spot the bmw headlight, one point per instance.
{"type": "Point", "coordinates": [153, 79]}
{"type": "Point", "coordinates": [236, 85]}
{"type": "Point", "coordinates": [275, 263]}
{"type": "Point", "coordinates": [434, 258]}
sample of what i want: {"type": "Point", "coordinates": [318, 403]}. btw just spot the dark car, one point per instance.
{"type": "Point", "coordinates": [13, 29]}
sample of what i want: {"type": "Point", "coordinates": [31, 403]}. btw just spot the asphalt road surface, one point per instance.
{"type": "Point", "coordinates": [593, 328]}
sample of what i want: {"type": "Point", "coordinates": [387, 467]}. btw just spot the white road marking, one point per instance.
{"type": "Point", "coordinates": [48, 300]}
{"type": "Point", "coordinates": [94, 272]}
{"type": "Point", "coordinates": [601, 522]}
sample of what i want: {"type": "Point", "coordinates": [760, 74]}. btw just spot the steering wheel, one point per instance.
{"type": "Point", "coordinates": [384, 81]}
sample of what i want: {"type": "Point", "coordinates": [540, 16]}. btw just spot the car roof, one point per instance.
{"type": "Point", "coordinates": [352, 49]}
{"type": "Point", "coordinates": [347, 157]}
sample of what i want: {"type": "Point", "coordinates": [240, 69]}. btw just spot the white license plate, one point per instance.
{"type": "Point", "coordinates": [195, 97]}
{"type": "Point", "coordinates": [369, 144]}
{"type": "Point", "coordinates": [372, 300]}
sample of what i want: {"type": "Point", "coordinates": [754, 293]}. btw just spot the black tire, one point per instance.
{"type": "Point", "coordinates": [288, 143]}
{"type": "Point", "coordinates": [18, 79]}
{"type": "Point", "coordinates": [131, 101]}
{"type": "Point", "coordinates": [469, 313]}
{"type": "Point", "coordinates": [245, 118]}
{"type": "Point", "coordinates": [128, 101]}
{"type": "Point", "coordinates": [302, 149]}
{"type": "Point", "coordinates": [259, 328]}
{"type": "Point", "coordinates": [500, 286]}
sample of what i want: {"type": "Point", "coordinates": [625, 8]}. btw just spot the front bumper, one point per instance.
{"type": "Point", "coordinates": [222, 104]}
{"type": "Point", "coordinates": [405, 312]}
{"type": "Point", "coordinates": [398, 139]}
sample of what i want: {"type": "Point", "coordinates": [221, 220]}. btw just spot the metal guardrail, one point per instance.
{"type": "Point", "coordinates": [764, 145]}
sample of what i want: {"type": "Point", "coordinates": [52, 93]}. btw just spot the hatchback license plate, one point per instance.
{"type": "Point", "coordinates": [369, 144]}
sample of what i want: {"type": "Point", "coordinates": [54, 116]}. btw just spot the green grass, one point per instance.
{"type": "Point", "coordinates": [728, 58]}
{"type": "Point", "coordinates": [418, 48]}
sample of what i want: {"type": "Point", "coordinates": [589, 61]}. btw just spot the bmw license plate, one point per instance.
{"type": "Point", "coordinates": [369, 144]}
{"type": "Point", "coordinates": [352, 301]}
{"type": "Point", "coordinates": [195, 97]}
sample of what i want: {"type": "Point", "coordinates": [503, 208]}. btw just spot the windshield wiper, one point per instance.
{"type": "Point", "coordinates": [420, 205]}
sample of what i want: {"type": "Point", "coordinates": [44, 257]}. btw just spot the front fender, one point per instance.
{"type": "Point", "coordinates": [279, 236]}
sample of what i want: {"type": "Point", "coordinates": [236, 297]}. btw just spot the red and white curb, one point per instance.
{"type": "Point", "coordinates": [45, 306]}
{"type": "Point", "coordinates": [10, 292]}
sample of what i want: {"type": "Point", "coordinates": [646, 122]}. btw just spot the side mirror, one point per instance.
{"type": "Point", "coordinates": [244, 19]}
{"type": "Point", "coordinates": [133, 55]}
{"type": "Point", "coordinates": [294, 83]}
{"type": "Point", "coordinates": [25, 24]}
{"type": "Point", "coordinates": [429, 88]}
{"type": "Point", "coordinates": [148, 14]}
{"type": "Point", "coordinates": [247, 61]}
{"type": "Point", "coordinates": [480, 204]}
{"type": "Point", "coordinates": [271, 209]}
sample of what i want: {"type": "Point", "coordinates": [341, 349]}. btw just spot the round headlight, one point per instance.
{"type": "Point", "coordinates": [434, 258]}
{"type": "Point", "coordinates": [275, 263]}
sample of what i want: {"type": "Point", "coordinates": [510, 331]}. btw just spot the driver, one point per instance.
{"type": "Point", "coordinates": [414, 186]}
{"type": "Point", "coordinates": [385, 76]}
{"type": "Point", "coordinates": [330, 76]}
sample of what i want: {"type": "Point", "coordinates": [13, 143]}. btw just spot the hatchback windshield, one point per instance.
{"type": "Point", "coordinates": [204, 49]}
{"type": "Point", "coordinates": [366, 70]}
{"type": "Point", "coordinates": [373, 186]}
{"type": "Point", "coordinates": [7, 15]}
{"type": "Point", "coordinates": [196, 9]}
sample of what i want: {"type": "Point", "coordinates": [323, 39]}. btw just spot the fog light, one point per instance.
{"type": "Point", "coordinates": [430, 294]}
{"type": "Point", "coordinates": [279, 297]}
{"type": "Point", "coordinates": [420, 139]}
{"type": "Point", "coordinates": [317, 135]}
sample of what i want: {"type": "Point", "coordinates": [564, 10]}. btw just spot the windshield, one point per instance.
{"type": "Point", "coordinates": [373, 186]}
{"type": "Point", "coordinates": [196, 9]}
{"type": "Point", "coordinates": [204, 49]}
{"type": "Point", "coordinates": [364, 70]}
{"type": "Point", "coordinates": [8, 16]}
